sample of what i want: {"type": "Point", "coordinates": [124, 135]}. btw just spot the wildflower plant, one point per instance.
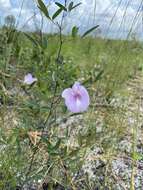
{"type": "Point", "coordinates": [45, 84]}
{"type": "Point", "coordinates": [43, 75]}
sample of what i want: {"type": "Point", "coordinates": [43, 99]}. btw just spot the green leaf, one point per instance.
{"type": "Point", "coordinates": [43, 8]}
{"type": "Point", "coordinates": [70, 6]}
{"type": "Point", "coordinates": [57, 13]}
{"type": "Point", "coordinates": [89, 31]}
{"type": "Point", "coordinates": [61, 6]}
{"type": "Point", "coordinates": [73, 7]}
{"type": "Point", "coordinates": [74, 31]}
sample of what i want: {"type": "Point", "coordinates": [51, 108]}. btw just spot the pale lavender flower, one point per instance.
{"type": "Point", "coordinates": [29, 79]}
{"type": "Point", "coordinates": [76, 98]}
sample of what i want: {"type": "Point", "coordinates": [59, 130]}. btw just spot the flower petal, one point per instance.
{"type": "Point", "coordinates": [85, 100]}
{"type": "Point", "coordinates": [28, 79]}
{"type": "Point", "coordinates": [76, 86]}
{"type": "Point", "coordinates": [67, 92]}
{"type": "Point", "coordinates": [71, 104]}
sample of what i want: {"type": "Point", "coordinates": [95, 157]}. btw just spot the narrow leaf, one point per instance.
{"type": "Point", "coordinates": [43, 8]}
{"type": "Point", "coordinates": [76, 6]}
{"type": "Point", "coordinates": [57, 13]}
{"type": "Point", "coordinates": [89, 31]}
{"type": "Point", "coordinates": [61, 6]}
{"type": "Point", "coordinates": [70, 6]}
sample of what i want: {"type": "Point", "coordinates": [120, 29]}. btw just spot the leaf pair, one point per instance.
{"type": "Point", "coordinates": [45, 11]}
{"type": "Point", "coordinates": [70, 7]}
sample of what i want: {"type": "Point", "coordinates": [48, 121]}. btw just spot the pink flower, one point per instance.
{"type": "Point", "coordinates": [76, 98]}
{"type": "Point", "coordinates": [29, 79]}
